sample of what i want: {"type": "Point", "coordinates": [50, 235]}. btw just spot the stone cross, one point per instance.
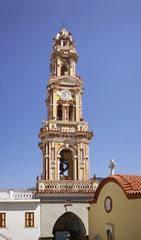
{"type": "Point", "coordinates": [112, 165]}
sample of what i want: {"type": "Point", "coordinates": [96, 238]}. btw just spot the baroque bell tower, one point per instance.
{"type": "Point", "coordinates": [65, 137]}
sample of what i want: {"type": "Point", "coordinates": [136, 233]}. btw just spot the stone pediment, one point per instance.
{"type": "Point", "coordinates": [66, 80]}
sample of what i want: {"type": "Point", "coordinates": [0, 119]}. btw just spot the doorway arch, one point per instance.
{"type": "Point", "coordinates": [69, 224]}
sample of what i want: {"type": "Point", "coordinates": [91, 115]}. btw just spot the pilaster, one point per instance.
{"type": "Point", "coordinates": [75, 168]}
{"type": "Point", "coordinates": [77, 105]}
{"type": "Point", "coordinates": [80, 106]}
{"type": "Point", "coordinates": [58, 67]}
{"type": "Point", "coordinates": [54, 103]}
{"type": "Point", "coordinates": [50, 178]}
{"type": "Point", "coordinates": [71, 68]}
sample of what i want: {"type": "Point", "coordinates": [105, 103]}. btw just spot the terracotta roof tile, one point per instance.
{"type": "Point", "coordinates": [131, 185]}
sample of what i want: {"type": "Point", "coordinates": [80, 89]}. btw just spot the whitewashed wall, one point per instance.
{"type": "Point", "coordinates": [15, 219]}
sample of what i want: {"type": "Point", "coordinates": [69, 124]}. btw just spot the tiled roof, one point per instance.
{"type": "Point", "coordinates": [131, 185]}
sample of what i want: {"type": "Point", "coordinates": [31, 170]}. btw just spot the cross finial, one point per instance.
{"type": "Point", "coordinates": [112, 165]}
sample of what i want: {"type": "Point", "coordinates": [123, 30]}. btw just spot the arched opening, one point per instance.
{"type": "Point", "coordinates": [71, 112]}
{"type": "Point", "coordinates": [109, 235]}
{"type": "Point", "coordinates": [59, 112]}
{"type": "Point", "coordinates": [64, 69]}
{"type": "Point", "coordinates": [69, 226]}
{"type": "Point", "coordinates": [66, 165]}
{"type": "Point", "coordinates": [64, 43]}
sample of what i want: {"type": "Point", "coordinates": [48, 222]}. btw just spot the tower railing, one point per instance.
{"type": "Point", "coordinates": [66, 186]}
{"type": "Point", "coordinates": [64, 129]}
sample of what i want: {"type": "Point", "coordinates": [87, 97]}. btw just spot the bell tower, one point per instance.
{"type": "Point", "coordinates": [65, 137]}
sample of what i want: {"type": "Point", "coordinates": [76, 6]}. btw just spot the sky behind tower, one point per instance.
{"type": "Point", "coordinates": [108, 40]}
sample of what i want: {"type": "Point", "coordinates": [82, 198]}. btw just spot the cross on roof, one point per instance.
{"type": "Point", "coordinates": [112, 165]}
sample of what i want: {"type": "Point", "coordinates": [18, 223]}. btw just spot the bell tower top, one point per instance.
{"type": "Point", "coordinates": [64, 33]}
{"type": "Point", "coordinates": [65, 137]}
{"type": "Point", "coordinates": [64, 56]}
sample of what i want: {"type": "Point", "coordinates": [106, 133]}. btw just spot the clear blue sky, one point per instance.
{"type": "Point", "coordinates": [108, 41]}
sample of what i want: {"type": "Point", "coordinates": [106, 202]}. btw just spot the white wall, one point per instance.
{"type": "Point", "coordinates": [50, 212]}
{"type": "Point", "coordinates": [15, 220]}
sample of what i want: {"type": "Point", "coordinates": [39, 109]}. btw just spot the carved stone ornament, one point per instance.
{"type": "Point", "coordinates": [52, 164]}
{"type": "Point", "coordinates": [82, 164]}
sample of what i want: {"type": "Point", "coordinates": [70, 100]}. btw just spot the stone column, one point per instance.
{"type": "Point", "coordinates": [49, 104]}
{"type": "Point", "coordinates": [54, 67]}
{"type": "Point", "coordinates": [74, 69]}
{"type": "Point", "coordinates": [71, 67]}
{"type": "Point", "coordinates": [65, 112]}
{"type": "Point", "coordinates": [58, 67]}
{"type": "Point", "coordinates": [49, 161]}
{"type": "Point", "coordinates": [58, 170]}
{"type": "Point", "coordinates": [75, 168]}
{"type": "Point", "coordinates": [77, 106]}
{"type": "Point", "coordinates": [80, 105]}
{"type": "Point", "coordinates": [54, 103]}
{"type": "Point", "coordinates": [46, 161]}
{"type": "Point", "coordinates": [44, 168]}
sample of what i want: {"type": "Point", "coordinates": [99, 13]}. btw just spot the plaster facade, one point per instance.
{"type": "Point", "coordinates": [50, 213]}
{"type": "Point", "coordinates": [124, 218]}
{"type": "Point", "coordinates": [15, 219]}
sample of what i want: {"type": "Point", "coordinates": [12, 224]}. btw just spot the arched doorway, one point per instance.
{"type": "Point", "coordinates": [69, 227]}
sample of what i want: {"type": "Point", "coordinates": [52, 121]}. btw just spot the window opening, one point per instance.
{"type": "Point", "coordinates": [65, 114]}
{"type": "Point", "coordinates": [109, 232]}
{"type": "Point", "coordinates": [64, 43]}
{"type": "Point", "coordinates": [109, 235]}
{"type": "Point", "coordinates": [59, 113]}
{"type": "Point", "coordinates": [2, 220]}
{"type": "Point", "coordinates": [29, 219]}
{"type": "Point", "coordinates": [71, 113]}
{"type": "Point", "coordinates": [63, 70]}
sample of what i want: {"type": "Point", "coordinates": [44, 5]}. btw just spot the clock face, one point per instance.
{"type": "Point", "coordinates": [65, 95]}
{"type": "Point", "coordinates": [108, 204]}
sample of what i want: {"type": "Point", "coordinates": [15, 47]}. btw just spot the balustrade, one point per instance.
{"type": "Point", "coordinates": [66, 186]}
{"type": "Point", "coordinates": [64, 129]}
{"type": "Point", "coordinates": [16, 195]}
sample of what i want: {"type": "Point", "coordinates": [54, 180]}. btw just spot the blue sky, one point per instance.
{"type": "Point", "coordinates": [108, 40]}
